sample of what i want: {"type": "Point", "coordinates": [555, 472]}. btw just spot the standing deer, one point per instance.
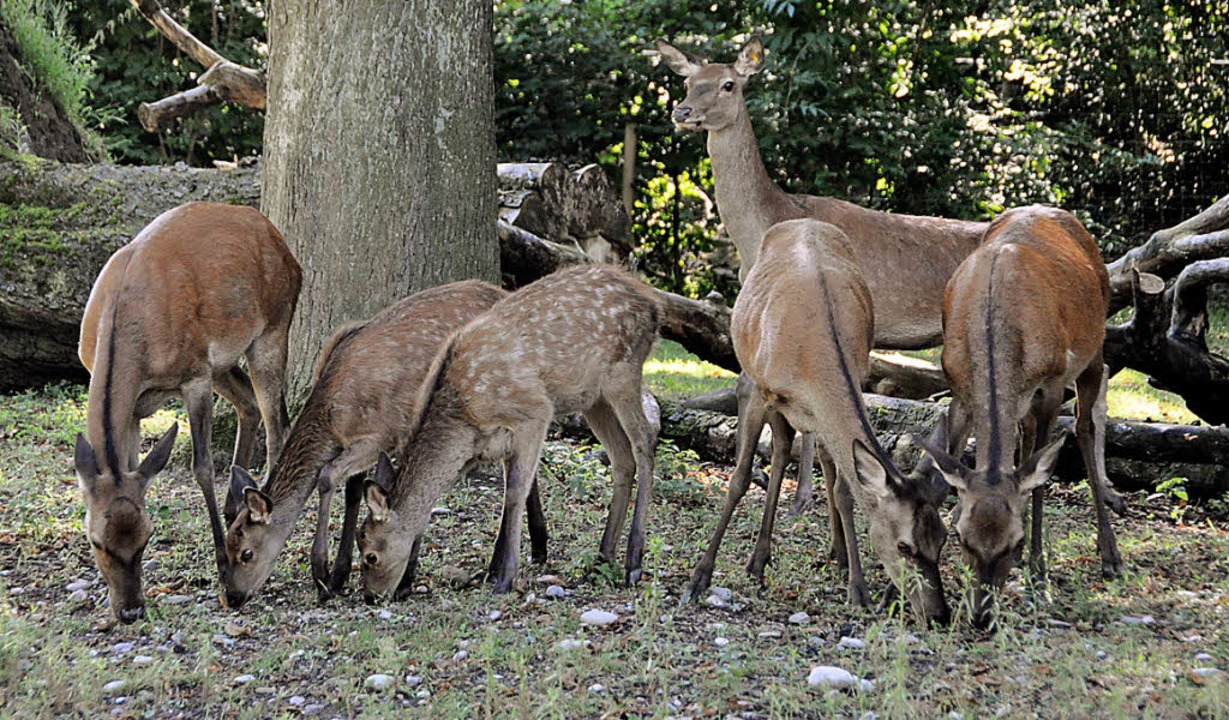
{"type": "Point", "coordinates": [1024, 318]}
{"type": "Point", "coordinates": [573, 341]}
{"type": "Point", "coordinates": [906, 260]}
{"type": "Point", "coordinates": [172, 312]}
{"type": "Point", "coordinates": [364, 396]}
{"type": "Point", "coordinates": [802, 329]}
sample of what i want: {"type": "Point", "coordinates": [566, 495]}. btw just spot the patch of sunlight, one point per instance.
{"type": "Point", "coordinates": [1132, 398]}
{"type": "Point", "coordinates": [671, 372]}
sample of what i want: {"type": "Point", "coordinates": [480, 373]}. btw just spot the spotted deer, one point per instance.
{"type": "Point", "coordinates": [802, 329]}
{"type": "Point", "coordinates": [365, 390]}
{"type": "Point", "coordinates": [906, 260]}
{"type": "Point", "coordinates": [1024, 318]}
{"type": "Point", "coordinates": [574, 341]}
{"type": "Point", "coordinates": [171, 313]}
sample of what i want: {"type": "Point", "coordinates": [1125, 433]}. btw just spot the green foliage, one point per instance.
{"type": "Point", "coordinates": [135, 64]}
{"type": "Point", "coordinates": [54, 58]}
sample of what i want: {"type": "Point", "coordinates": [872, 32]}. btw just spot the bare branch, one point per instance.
{"type": "Point", "coordinates": [176, 33]}
{"type": "Point", "coordinates": [153, 115]}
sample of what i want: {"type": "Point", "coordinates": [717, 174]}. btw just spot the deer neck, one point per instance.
{"type": "Point", "coordinates": [111, 404]}
{"type": "Point", "coordinates": [310, 445]}
{"type": "Point", "coordinates": [437, 453]}
{"type": "Point", "coordinates": [747, 199]}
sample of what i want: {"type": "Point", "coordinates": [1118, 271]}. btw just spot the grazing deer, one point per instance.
{"type": "Point", "coordinates": [364, 395]}
{"type": "Point", "coordinates": [1024, 318]}
{"type": "Point", "coordinates": [172, 312]}
{"type": "Point", "coordinates": [906, 259]}
{"type": "Point", "coordinates": [573, 341]}
{"type": "Point", "coordinates": [802, 329]}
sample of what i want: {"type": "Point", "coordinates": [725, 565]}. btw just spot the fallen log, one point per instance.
{"type": "Point", "coordinates": [579, 207]}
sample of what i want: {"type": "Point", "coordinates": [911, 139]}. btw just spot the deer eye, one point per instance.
{"type": "Point", "coordinates": [371, 559]}
{"type": "Point", "coordinates": [729, 85]}
{"type": "Point", "coordinates": [905, 549]}
{"type": "Point", "coordinates": [246, 555]}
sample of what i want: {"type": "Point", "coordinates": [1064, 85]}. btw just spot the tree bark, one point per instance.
{"type": "Point", "coordinates": [379, 154]}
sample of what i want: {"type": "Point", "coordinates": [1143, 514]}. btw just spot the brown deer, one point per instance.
{"type": "Point", "coordinates": [802, 329]}
{"type": "Point", "coordinates": [364, 395]}
{"type": "Point", "coordinates": [574, 341]}
{"type": "Point", "coordinates": [1024, 318]}
{"type": "Point", "coordinates": [906, 259]}
{"type": "Point", "coordinates": [171, 313]}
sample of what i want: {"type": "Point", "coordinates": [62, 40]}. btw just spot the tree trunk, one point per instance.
{"type": "Point", "coordinates": [379, 154]}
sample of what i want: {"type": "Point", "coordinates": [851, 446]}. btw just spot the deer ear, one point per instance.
{"type": "Point", "coordinates": [86, 463]}
{"type": "Point", "coordinates": [1036, 470]}
{"type": "Point", "coordinates": [384, 472]}
{"type": "Point", "coordinates": [157, 458]}
{"type": "Point", "coordinates": [377, 501]}
{"type": "Point", "coordinates": [952, 470]}
{"type": "Point", "coordinates": [870, 471]}
{"type": "Point", "coordinates": [680, 62]}
{"type": "Point", "coordinates": [240, 481]}
{"type": "Point", "coordinates": [259, 506]}
{"type": "Point", "coordinates": [750, 57]}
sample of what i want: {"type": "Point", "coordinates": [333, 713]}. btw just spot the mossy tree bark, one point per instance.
{"type": "Point", "coordinates": [379, 159]}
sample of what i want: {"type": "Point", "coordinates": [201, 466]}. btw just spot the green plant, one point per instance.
{"type": "Point", "coordinates": [1174, 489]}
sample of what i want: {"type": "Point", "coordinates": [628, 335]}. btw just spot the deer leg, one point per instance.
{"type": "Point", "coordinates": [235, 386]}
{"type": "Point", "coordinates": [782, 442]}
{"type": "Point", "coordinates": [837, 552]}
{"type": "Point", "coordinates": [267, 362]}
{"type": "Point", "coordinates": [1090, 432]}
{"type": "Point", "coordinates": [198, 399]}
{"type": "Point", "coordinates": [538, 536]}
{"type": "Point", "coordinates": [629, 411]}
{"type": "Point", "coordinates": [859, 593]}
{"type": "Point", "coordinates": [751, 413]}
{"type": "Point", "coordinates": [359, 455]}
{"type": "Point", "coordinates": [804, 496]}
{"type": "Point", "coordinates": [605, 425]}
{"type": "Point", "coordinates": [320, 543]}
{"type": "Point", "coordinates": [343, 563]}
{"type": "Point", "coordinates": [519, 478]}
{"type": "Point", "coordinates": [1037, 433]}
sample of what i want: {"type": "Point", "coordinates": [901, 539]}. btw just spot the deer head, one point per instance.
{"type": "Point", "coordinates": [990, 524]}
{"type": "Point", "coordinates": [714, 91]}
{"type": "Point", "coordinates": [906, 532]}
{"type": "Point", "coordinates": [252, 542]}
{"type": "Point", "coordinates": [382, 545]}
{"type": "Point", "coordinates": [116, 522]}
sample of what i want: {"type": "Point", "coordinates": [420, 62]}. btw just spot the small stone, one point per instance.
{"type": "Point", "coordinates": [800, 618]}
{"type": "Point", "coordinates": [312, 708]}
{"type": "Point", "coordinates": [121, 647]}
{"type": "Point", "coordinates": [851, 643]}
{"type": "Point", "coordinates": [556, 591]}
{"type": "Point", "coordinates": [176, 600]}
{"type": "Point", "coordinates": [550, 580]}
{"type": "Point", "coordinates": [223, 640]}
{"type": "Point", "coordinates": [1058, 624]}
{"type": "Point", "coordinates": [1101, 655]}
{"type": "Point", "coordinates": [597, 688]}
{"type": "Point", "coordinates": [1205, 672]}
{"type": "Point", "coordinates": [243, 679]}
{"type": "Point", "coordinates": [714, 601]}
{"type": "Point", "coordinates": [114, 686]}
{"type": "Point", "coordinates": [866, 685]}
{"type": "Point", "coordinates": [570, 644]}
{"type": "Point", "coordinates": [721, 642]}
{"type": "Point", "coordinates": [297, 700]}
{"type": "Point", "coordinates": [143, 660]}
{"type": "Point", "coordinates": [78, 596]}
{"type": "Point", "coordinates": [151, 565]}
{"type": "Point", "coordinates": [1193, 638]}
{"type": "Point", "coordinates": [460, 655]}
{"type": "Point", "coordinates": [378, 682]}
{"type": "Point", "coordinates": [723, 593]}
{"type": "Point", "coordinates": [235, 630]}
{"type": "Point", "coordinates": [265, 690]}
{"type": "Point", "coordinates": [412, 680]}
{"type": "Point", "coordinates": [494, 615]}
{"type": "Point", "coordinates": [76, 585]}
{"type": "Point", "coordinates": [386, 615]}
{"type": "Point", "coordinates": [817, 641]}
{"type": "Point", "coordinates": [831, 677]}
{"type": "Point", "coordinates": [769, 634]}
{"type": "Point", "coordinates": [1203, 657]}
{"type": "Point", "coordinates": [598, 618]}
{"type": "Point", "coordinates": [870, 715]}
{"type": "Point", "coordinates": [1134, 620]}
{"type": "Point", "coordinates": [439, 511]}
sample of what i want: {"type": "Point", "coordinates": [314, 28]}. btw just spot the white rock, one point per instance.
{"type": "Point", "coordinates": [556, 591]}
{"type": "Point", "coordinates": [1193, 638]}
{"type": "Point", "coordinates": [570, 644]}
{"type": "Point", "coordinates": [121, 647]}
{"type": "Point", "coordinates": [870, 715]}
{"type": "Point", "coordinates": [799, 618]}
{"type": "Point", "coordinates": [494, 615]}
{"type": "Point", "coordinates": [461, 655]}
{"type": "Point", "coordinates": [386, 615]}
{"type": "Point", "coordinates": [297, 700]}
{"type": "Point", "coordinates": [831, 676]}
{"type": "Point", "coordinates": [175, 600]}
{"type": "Point", "coordinates": [1203, 657]}
{"type": "Point", "coordinates": [243, 679]}
{"type": "Point", "coordinates": [597, 688]}
{"type": "Point", "coordinates": [114, 686]}
{"type": "Point", "coordinates": [723, 593]}
{"type": "Point", "coordinates": [1058, 624]}
{"type": "Point", "coordinates": [769, 634]}
{"type": "Point", "coordinates": [714, 601]}
{"type": "Point", "coordinates": [78, 596]}
{"type": "Point", "coordinates": [598, 618]}
{"type": "Point", "coordinates": [1133, 620]}
{"type": "Point", "coordinates": [440, 510]}
{"type": "Point", "coordinates": [851, 643]}
{"type": "Point", "coordinates": [143, 660]}
{"type": "Point", "coordinates": [1205, 672]}
{"type": "Point", "coordinates": [76, 585]}
{"type": "Point", "coordinates": [378, 681]}
{"type": "Point", "coordinates": [721, 642]}
{"type": "Point", "coordinates": [1101, 654]}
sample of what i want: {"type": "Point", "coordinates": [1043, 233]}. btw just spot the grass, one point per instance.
{"type": "Point", "coordinates": [672, 372]}
{"type": "Point", "coordinates": [462, 652]}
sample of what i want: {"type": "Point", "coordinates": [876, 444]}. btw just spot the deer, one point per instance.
{"type": "Point", "coordinates": [1024, 319]}
{"type": "Point", "coordinates": [365, 389]}
{"type": "Point", "coordinates": [906, 259]}
{"type": "Point", "coordinates": [573, 341]}
{"type": "Point", "coordinates": [802, 329]}
{"type": "Point", "coordinates": [172, 312]}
